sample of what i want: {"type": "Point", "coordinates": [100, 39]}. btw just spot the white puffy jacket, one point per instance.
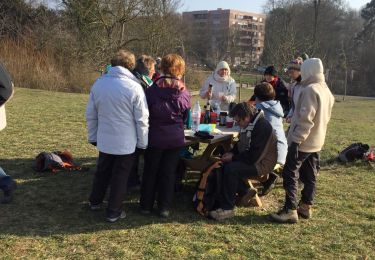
{"type": "Point", "coordinates": [117, 113]}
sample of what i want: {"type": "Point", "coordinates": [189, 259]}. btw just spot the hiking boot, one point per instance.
{"type": "Point", "coordinates": [269, 184]}
{"type": "Point", "coordinates": [221, 214]}
{"type": "Point", "coordinates": [114, 217]}
{"type": "Point", "coordinates": [164, 213]}
{"type": "Point", "coordinates": [304, 210]}
{"type": "Point", "coordinates": [245, 200]}
{"type": "Point", "coordinates": [285, 216]}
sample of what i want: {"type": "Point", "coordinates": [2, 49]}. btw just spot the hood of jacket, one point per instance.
{"type": "Point", "coordinates": [121, 72]}
{"type": "Point", "coordinates": [168, 88]}
{"type": "Point", "coordinates": [312, 72]}
{"type": "Point", "coordinates": [272, 107]}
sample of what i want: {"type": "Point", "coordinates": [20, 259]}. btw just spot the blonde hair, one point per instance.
{"type": "Point", "coordinates": [125, 59]}
{"type": "Point", "coordinates": [174, 65]}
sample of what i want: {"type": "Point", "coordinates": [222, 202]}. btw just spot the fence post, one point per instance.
{"type": "Point", "coordinates": [239, 89]}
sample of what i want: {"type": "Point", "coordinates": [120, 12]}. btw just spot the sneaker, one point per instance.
{"type": "Point", "coordinates": [285, 216]}
{"type": "Point", "coordinates": [95, 207]}
{"type": "Point", "coordinates": [164, 213]}
{"type": "Point", "coordinates": [245, 200]}
{"type": "Point", "coordinates": [304, 210]}
{"type": "Point", "coordinates": [269, 184]}
{"type": "Point", "coordinates": [221, 214]}
{"type": "Point", "coordinates": [113, 218]}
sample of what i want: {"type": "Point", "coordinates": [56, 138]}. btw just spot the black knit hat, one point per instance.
{"type": "Point", "coordinates": [270, 70]}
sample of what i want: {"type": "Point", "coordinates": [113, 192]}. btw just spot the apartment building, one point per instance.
{"type": "Point", "coordinates": [235, 36]}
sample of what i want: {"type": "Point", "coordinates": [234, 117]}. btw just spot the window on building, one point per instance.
{"type": "Point", "coordinates": [200, 16]}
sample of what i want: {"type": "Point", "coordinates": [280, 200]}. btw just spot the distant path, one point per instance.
{"type": "Point", "coordinates": [356, 97]}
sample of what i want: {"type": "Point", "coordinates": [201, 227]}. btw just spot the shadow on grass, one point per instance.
{"type": "Point", "coordinates": [56, 203]}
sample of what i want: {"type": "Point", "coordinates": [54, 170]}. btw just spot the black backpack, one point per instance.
{"type": "Point", "coordinates": [353, 152]}
{"type": "Point", "coordinates": [208, 188]}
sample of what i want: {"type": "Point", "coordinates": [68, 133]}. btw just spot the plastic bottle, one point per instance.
{"type": "Point", "coordinates": [196, 117]}
{"type": "Point", "coordinates": [188, 119]}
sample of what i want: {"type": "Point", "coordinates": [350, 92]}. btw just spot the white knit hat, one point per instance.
{"type": "Point", "coordinates": [222, 65]}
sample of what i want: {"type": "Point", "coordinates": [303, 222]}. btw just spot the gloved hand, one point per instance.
{"type": "Point", "coordinates": [93, 143]}
{"type": "Point", "coordinates": [293, 150]}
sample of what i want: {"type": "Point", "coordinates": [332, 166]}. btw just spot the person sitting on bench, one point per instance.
{"type": "Point", "coordinates": [253, 156]}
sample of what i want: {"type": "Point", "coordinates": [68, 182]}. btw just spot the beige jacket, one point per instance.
{"type": "Point", "coordinates": [313, 109]}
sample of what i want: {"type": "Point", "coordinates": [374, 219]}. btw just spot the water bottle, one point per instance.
{"type": "Point", "coordinates": [196, 116]}
{"type": "Point", "coordinates": [188, 119]}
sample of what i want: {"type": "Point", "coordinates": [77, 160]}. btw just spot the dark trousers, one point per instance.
{"type": "Point", "coordinates": [305, 168]}
{"type": "Point", "coordinates": [134, 178]}
{"type": "Point", "coordinates": [234, 174]}
{"type": "Point", "coordinates": [113, 171]}
{"type": "Point", "coordinates": [159, 177]}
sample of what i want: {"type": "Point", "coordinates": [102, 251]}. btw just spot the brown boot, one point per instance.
{"type": "Point", "coordinates": [304, 210]}
{"type": "Point", "coordinates": [285, 216]}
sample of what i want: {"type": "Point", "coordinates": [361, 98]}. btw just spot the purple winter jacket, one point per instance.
{"type": "Point", "coordinates": [168, 101]}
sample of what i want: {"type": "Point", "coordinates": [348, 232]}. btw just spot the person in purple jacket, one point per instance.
{"type": "Point", "coordinates": [168, 101]}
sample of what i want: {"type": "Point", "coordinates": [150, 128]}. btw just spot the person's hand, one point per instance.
{"type": "Point", "coordinates": [224, 98]}
{"type": "Point", "coordinates": [208, 94]}
{"type": "Point", "coordinates": [288, 120]}
{"type": "Point", "coordinates": [227, 157]}
{"type": "Point", "coordinates": [293, 150]}
{"type": "Point", "coordinates": [93, 143]}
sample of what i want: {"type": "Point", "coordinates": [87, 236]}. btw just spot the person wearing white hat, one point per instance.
{"type": "Point", "coordinates": [223, 90]}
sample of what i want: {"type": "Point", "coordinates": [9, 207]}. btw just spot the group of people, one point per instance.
{"type": "Point", "coordinates": [123, 119]}
{"type": "Point", "coordinates": [131, 112]}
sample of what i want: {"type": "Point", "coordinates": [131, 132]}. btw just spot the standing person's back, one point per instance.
{"type": "Point", "coordinates": [168, 101]}
{"type": "Point", "coordinates": [117, 122]}
{"type": "Point", "coordinates": [114, 96]}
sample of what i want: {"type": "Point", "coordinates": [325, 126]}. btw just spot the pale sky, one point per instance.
{"type": "Point", "coordinates": [242, 5]}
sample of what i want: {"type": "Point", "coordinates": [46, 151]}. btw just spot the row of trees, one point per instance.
{"type": "Point", "coordinates": [65, 47]}
{"type": "Point", "coordinates": [342, 38]}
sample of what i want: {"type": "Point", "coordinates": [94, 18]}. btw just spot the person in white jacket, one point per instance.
{"type": "Point", "coordinates": [117, 123]}
{"type": "Point", "coordinates": [306, 138]}
{"type": "Point", "coordinates": [223, 90]}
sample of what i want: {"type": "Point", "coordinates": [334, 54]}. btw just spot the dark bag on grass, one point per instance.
{"type": "Point", "coordinates": [353, 152]}
{"type": "Point", "coordinates": [206, 197]}
{"type": "Point", "coordinates": [56, 161]}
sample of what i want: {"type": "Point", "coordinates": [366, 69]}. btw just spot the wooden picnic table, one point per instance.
{"type": "Point", "coordinates": [223, 138]}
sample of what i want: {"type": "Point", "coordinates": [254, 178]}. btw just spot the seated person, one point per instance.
{"type": "Point", "coordinates": [254, 155]}
{"type": "Point", "coordinates": [273, 112]}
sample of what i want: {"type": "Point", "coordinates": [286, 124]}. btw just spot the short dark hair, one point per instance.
{"type": "Point", "coordinates": [242, 110]}
{"type": "Point", "coordinates": [264, 91]}
{"type": "Point", "coordinates": [270, 70]}
{"type": "Point", "coordinates": [144, 64]}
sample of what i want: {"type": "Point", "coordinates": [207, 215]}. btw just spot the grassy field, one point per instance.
{"type": "Point", "coordinates": [49, 217]}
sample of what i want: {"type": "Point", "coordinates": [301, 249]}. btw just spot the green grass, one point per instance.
{"type": "Point", "coordinates": [49, 217]}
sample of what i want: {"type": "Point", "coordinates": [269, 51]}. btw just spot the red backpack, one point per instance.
{"type": "Point", "coordinates": [56, 161]}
